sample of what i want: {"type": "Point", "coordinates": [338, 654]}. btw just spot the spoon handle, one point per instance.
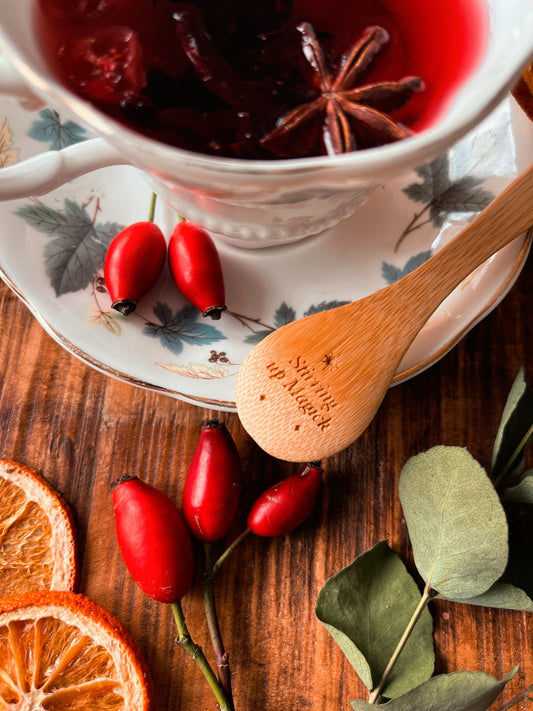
{"type": "Point", "coordinates": [507, 217]}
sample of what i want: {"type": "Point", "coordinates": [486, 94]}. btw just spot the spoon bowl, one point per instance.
{"type": "Point", "coordinates": [310, 388]}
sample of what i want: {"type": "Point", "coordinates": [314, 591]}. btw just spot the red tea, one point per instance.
{"type": "Point", "coordinates": [265, 79]}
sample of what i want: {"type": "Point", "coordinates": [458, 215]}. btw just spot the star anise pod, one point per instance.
{"type": "Point", "coordinates": [345, 115]}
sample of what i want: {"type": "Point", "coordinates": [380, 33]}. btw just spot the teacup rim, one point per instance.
{"type": "Point", "coordinates": [364, 163]}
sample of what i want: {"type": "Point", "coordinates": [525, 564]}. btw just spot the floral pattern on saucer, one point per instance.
{"type": "Point", "coordinates": [74, 255]}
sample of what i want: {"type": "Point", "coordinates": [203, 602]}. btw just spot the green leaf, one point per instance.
{"type": "Point", "coordinates": [503, 595]}
{"type": "Point", "coordinates": [515, 431]}
{"type": "Point", "coordinates": [522, 491]}
{"type": "Point", "coordinates": [456, 522]}
{"type": "Point", "coordinates": [460, 691]}
{"type": "Point", "coordinates": [366, 608]}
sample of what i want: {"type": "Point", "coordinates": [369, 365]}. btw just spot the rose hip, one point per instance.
{"type": "Point", "coordinates": [153, 539]}
{"type": "Point", "coordinates": [284, 506]}
{"type": "Point", "coordinates": [133, 263]}
{"type": "Point", "coordinates": [213, 484]}
{"type": "Point", "coordinates": [196, 269]}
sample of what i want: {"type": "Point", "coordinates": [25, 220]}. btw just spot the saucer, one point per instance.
{"type": "Point", "coordinates": [52, 251]}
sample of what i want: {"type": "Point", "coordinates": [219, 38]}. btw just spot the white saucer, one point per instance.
{"type": "Point", "coordinates": [166, 344]}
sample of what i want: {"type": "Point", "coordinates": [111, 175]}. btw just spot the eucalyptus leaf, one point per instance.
{"type": "Point", "coordinates": [366, 608]}
{"type": "Point", "coordinates": [460, 691]}
{"type": "Point", "coordinates": [503, 595]}
{"type": "Point", "coordinates": [515, 431]}
{"type": "Point", "coordinates": [522, 491]}
{"type": "Point", "coordinates": [456, 522]}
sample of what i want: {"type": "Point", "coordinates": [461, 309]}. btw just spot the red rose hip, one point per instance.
{"type": "Point", "coordinates": [153, 539]}
{"type": "Point", "coordinates": [133, 263]}
{"type": "Point", "coordinates": [213, 484]}
{"type": "Point", "coordinates": [286, 505]}
{"type": "Point", "coordinates": [196, 269]}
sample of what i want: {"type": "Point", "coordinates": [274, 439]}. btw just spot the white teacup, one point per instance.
{"type": "Point", "coordinates": [249, 203]}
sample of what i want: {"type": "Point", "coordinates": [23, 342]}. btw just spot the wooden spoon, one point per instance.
{"type": "Point", "coordinates": [310, 388]}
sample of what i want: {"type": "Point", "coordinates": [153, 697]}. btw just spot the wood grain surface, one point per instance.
{"type": "Point", "coordinates": [82, 429]}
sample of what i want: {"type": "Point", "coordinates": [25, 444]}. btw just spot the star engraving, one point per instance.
{"type": "Point", "coordinates": [330, 361]}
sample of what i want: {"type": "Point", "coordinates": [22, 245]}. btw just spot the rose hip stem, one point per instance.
{"type": "Point", "coordinates": [276, 512]}
{"type": "Point", "coordinates": [221, 655]}
{"type": "Point", "coordinates": [185, 641]}
{"type": "Point", "coordinates": [210, 500]}
{"type": "Point", "coordinates": [158, 552]}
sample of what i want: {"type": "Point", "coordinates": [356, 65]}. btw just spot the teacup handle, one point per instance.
{"type": "Point", "coordinates": [45, 172]}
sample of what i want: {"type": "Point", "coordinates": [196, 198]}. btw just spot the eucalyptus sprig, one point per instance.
{"type": "Point", "coordinates": [464, 550]}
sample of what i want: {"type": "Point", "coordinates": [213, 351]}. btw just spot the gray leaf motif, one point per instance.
{"type": "Point", "coordinates": [49, 129]}
{"type": "Point", "coordinates": [435, 180]}
{"type": "Point", "coordinates": [441, 196]}
{"type": "Point", "coordinates": [285, 314]}
{"type": "Point", "coordinates": [182, 327]}
{"type": "Point", "coordinates": [324, 306]}
{"type": "Point", "coordinates": [392, 273]}
{"type": "Point", "coordinates": [79, 246]}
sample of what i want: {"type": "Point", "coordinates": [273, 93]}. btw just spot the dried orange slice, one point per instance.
{"type": "Point", "coordinates": [37, 538]}
{"type": "Point", "coordinates": [60, 651]}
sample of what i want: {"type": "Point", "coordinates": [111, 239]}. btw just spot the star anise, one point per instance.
{"type": "Point", "coordinates": [345, 115]}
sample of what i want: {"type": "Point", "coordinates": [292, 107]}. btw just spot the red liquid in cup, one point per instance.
{"type": "Point", "coordinates": [127, 58]}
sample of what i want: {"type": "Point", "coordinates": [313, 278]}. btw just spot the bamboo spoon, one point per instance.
{"type": "Point", "coordinates": [310, 388]}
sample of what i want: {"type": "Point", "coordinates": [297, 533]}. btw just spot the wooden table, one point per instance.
{"type": "Point", "coordinates": [83, 429]}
